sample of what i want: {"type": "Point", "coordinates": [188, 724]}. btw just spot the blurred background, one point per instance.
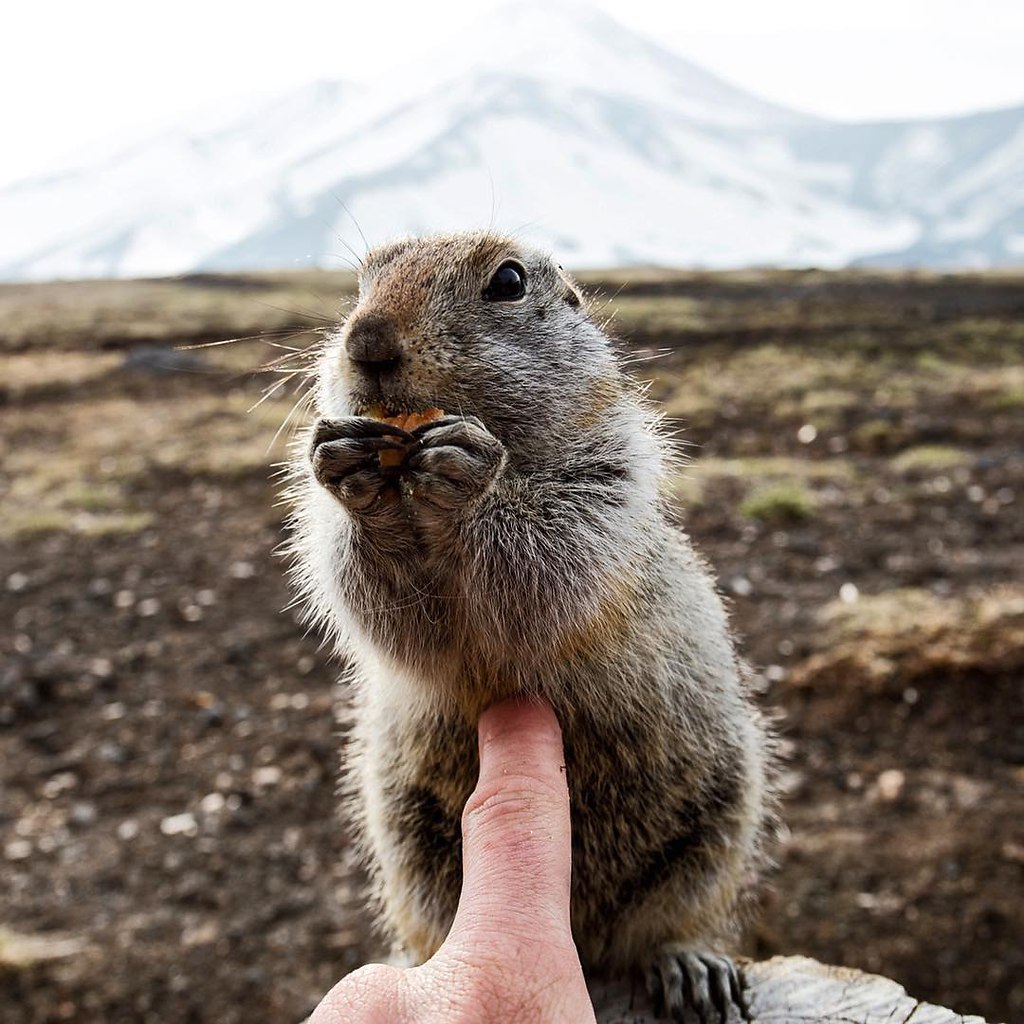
{"type": "Point", "coordinates": [209, 137]}
{"type": "Point", "coordinates": [805, 227]}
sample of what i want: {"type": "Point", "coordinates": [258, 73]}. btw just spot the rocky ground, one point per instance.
{"type": "Point", "coordinates": [169, 847]}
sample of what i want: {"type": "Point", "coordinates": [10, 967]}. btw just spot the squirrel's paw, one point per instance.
{"type": "Point", "coordinates": [345, 455]}
{"type": "Point", "coordinates": [696, 988]}
{"type": "Point", "coordinates": [457, 459]}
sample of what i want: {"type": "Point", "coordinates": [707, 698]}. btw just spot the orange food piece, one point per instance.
{"type": "Point", "coordinates": [412, 420]}
{"type": "Point", "coordinates": [392, 457]}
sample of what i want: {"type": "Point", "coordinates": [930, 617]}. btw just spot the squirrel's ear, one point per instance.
{"type": "Point", "coordinates": [571, 297]}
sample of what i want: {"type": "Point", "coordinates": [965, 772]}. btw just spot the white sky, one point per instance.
{"type": "Point", "coordinates": [73, 72]}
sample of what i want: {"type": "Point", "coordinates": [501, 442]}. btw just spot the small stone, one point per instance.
{"type": "Point", "coordinates": [807, 433]}
{"type": "Point", "coordinates": [242, 570]}
{"type": "Point", "coordinates": [18, 849]}
{"type": "Point", "coordinates": [206, 597]}
{"type": "Point", "coordinates": [200, 935]}
{"type": "Point", "coordinates": [59, 783]}
{"type": "Point", "coordinates": [148, 607]}
{"type": "Point", "coordinates": [968, 793]}
{"type": "Point", "coordinates": [112, 753]}
{"type": "Point", "coordinates": [848, 593]}
{"type": "Point", "coordinates": [741, 586]}
{"type": "Point", "coordinates": [889, 785]}
{"type": "Point", "coordinates": [179, 825]}
{"type": "Point", "coordinates": [83, 814]}
{"type": "Point", "coordinates": [775, 673]}
{"type": "Point", "coordinates": [127, 830]}
{"type": "Point", "coordinates": [212, 803]}
{"type": "Point", "coordinates": [112, 712]}
{"type": "Point", "coordinates": [124, 599]}
{"type": "Point", "coordinates": [51, 841]}
{"type": "Point", "coordinates": [17, 581]}
{"type": "Point", "coordinates": [101, 668]}
{"type": "Point", "coordinates": [267, 776]}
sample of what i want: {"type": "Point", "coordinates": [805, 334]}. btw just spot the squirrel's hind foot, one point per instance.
{"type": "Point", "coordinates": [696, 988]}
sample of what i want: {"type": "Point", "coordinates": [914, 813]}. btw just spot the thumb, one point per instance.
{"type": "Point", "coordinates": [516, 845]}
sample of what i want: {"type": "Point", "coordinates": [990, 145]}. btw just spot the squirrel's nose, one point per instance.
{"type": "Point", "coordinates": [373, 340]}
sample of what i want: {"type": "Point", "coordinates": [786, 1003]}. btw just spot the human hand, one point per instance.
{"type": "Point", "coordinates": [509, 956]}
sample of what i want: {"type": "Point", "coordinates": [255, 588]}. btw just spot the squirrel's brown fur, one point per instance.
{"type": "Point", "coordinates": [523, 547]}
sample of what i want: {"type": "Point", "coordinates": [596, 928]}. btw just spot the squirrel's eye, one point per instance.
{"type": "Point", "coordinates": [507, 284]}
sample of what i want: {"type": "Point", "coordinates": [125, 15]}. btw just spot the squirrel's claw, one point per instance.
{"type": "Point", "coordinates": [353, 428]}
{"type": "Point", "coordinates": [696, 988]}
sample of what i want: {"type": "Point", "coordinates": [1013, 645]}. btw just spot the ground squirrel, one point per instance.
{"type": "Point", "coordinates": [519, 543]}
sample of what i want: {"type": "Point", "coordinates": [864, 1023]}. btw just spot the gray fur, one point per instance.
{"type": "Point", "coordinates": [524, 548]}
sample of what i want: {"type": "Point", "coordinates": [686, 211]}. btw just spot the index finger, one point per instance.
{"type": "Point", "coordinates": [516, 829]}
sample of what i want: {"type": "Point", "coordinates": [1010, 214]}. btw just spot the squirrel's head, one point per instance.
{"type": "Point", "coordinates": [475, 324]}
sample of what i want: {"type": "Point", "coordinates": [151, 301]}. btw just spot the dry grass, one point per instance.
{"type": "Point", "coordinates": [97, 314]}
{"type": "Point", "coordinates": [79, 472]}
{"type": "Point", "coordinates": [759, 472]}
{"type": "Point", "coordinates": [928, 458]}
{"type": "Point", "coordinates": [779, 504]}
{"type": "Point", "coordinates": [909, 635]}
{"type": "Point", "coordinates": [31, 375]}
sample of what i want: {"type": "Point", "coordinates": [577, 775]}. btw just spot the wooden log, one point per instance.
{"type": "Point", "coordinates": [796, 990]}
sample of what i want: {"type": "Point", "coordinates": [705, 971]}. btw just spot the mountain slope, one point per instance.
{"type": "Point", "coordinates": [961, 179]}
{"type": "Point", "coordinates": [601, 179]}
{"type": "Point", "coordinates": [549, 119]}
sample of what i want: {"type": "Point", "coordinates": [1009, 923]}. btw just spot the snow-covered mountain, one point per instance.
{"type": "Point", "coordinates": [551, 120]}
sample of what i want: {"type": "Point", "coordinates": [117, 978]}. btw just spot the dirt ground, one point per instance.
{"type": "Point", "coordinates": [170, 849]}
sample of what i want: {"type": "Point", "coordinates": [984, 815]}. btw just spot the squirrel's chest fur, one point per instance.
{"type": "Point", "coordinates": [644, 804]}
{"type": "Point", "coordinates": [520, 546]}
{"type": "Point", "coordinates": [661, 783]}
{"type": "Point", "coordinates": [665, 754]}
